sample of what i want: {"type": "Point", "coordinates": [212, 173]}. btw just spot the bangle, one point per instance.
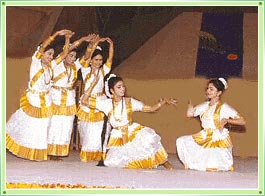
{"type": "Point", "coordinates": [82, 61]}
{"type": "Point", "coordinates": [51, 38]}
{"type": "Point", "coordinates": [76, 43]}
{"type": "Point", "coordinates": [66, 47]}
{"type": "Point", "coordinates": [108, 64]}
{"type": "Point", "coordinates": [89, 49]}
{"type": "Point", "coordinates": [38, 55]}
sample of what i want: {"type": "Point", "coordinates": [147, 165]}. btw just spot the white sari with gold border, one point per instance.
{"type": "Point", "coordinates": [64, 108]}
{"type": "Point", "coordinates": [26, 129]}
{"type": "Point", "coordinates": [131, 145]}
{"type": "Point", "coordinates": [210, 149]}
{"type": "Point", "coordinates": [90, 121]}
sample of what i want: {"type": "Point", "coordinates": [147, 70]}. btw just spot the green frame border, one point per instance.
{"type": "Point", "coordinates": [259, 191]}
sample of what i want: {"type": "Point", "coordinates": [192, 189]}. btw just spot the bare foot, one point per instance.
{"type": "Point", "coordinates": [186, 166]}
{"type": "Point", "coordinates": [211, 169]}
{"type": "Point", "coordinates": [55, 158]}
{"type": "Point", "coordinates": [168, 165]}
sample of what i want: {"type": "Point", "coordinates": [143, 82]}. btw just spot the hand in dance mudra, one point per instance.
{"type": "Point", "coordinates": [190, 110]}
{"type": "Point", "coordinates": [92, 37]}
{"type": "Point", "coordinates": [171, 101]}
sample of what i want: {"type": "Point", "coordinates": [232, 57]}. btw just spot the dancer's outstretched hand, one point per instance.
{"type": "Point", "coordinates": [190, 110]}
{"type": "Point", "coordinates": [172, 101]}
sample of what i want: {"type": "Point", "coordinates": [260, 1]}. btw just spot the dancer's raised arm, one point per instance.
{"type": "Point", "coordinates": [65, 51]}
{"type": "Point", "coordinates": [52, 37]}
{"type": "Point", "coordinates": [111, 52]}
{"type": "Point", "coordinates": [89, 38]}
{"type": "Point", "coordinates": [91, 48]}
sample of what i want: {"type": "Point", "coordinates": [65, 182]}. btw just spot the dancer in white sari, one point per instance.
{"type": "Point", "coordinates": [26, 130]}
{"type": "Point", "coordinates": [63, 97]}
{"type": "Point", "coordinates": [91, 120]}
{"type": "Point", "coordinates": [211, 148]}
{"type": "Point", "coordinates": [131, 145]}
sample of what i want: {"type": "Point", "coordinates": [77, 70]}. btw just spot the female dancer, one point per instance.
{"type": "Point", "coordinates": [26, 130]}
{"type": "Point", "coordinates": [91, 121]}
{"type": "Point", "coordinates": [63, 98]}
{"type": "Point", "coordinates": [131, 145]}
{"type": "Point", "coordinates": [211, 148]}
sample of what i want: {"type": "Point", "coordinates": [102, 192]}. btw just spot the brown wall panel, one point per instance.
{"type": "Point", "coordinates": [27, 27]}
{"type": "Point", "coordinates": [170, 53]}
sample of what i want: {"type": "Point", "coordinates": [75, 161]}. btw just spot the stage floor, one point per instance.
{"type": "Point", "coordinates": [72, 171]}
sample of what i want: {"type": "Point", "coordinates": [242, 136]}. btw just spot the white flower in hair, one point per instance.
{"type": "Point", "coordinates": [107, 85]}
{"type": "Point", "coordinates": [99, 48]}
{"type": "Point", "coordinates": [224, 82]}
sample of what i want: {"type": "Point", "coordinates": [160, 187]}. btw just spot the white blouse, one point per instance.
{"type": "Point", "coordinates": [117, 112]}
{"type": "Point", "coordinates": [206, 113]}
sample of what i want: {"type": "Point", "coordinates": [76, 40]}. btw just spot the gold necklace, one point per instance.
{"type": "Point", "coordinates": [206, 114]}
{"type": "Point", "coordinates": [97, 72]}
{"type": "Point", "coordinates": [46, 67]}
{"type": "Point", "coordinates": [68, 73]}
{"type": "Point", "coordinates": [114, 107]}
{"type": "Point", "coordinates": [88, 76]}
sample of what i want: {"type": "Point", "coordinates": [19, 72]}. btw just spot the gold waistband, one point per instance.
{"type": "Point", "coordinates": [62, 88]}
{"type": "Point", "coordinates": [122, 128]}
{"type": "Point", "coordinates": [37, 92]}
{"type": "Point", "coordinates": [97, 94]}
